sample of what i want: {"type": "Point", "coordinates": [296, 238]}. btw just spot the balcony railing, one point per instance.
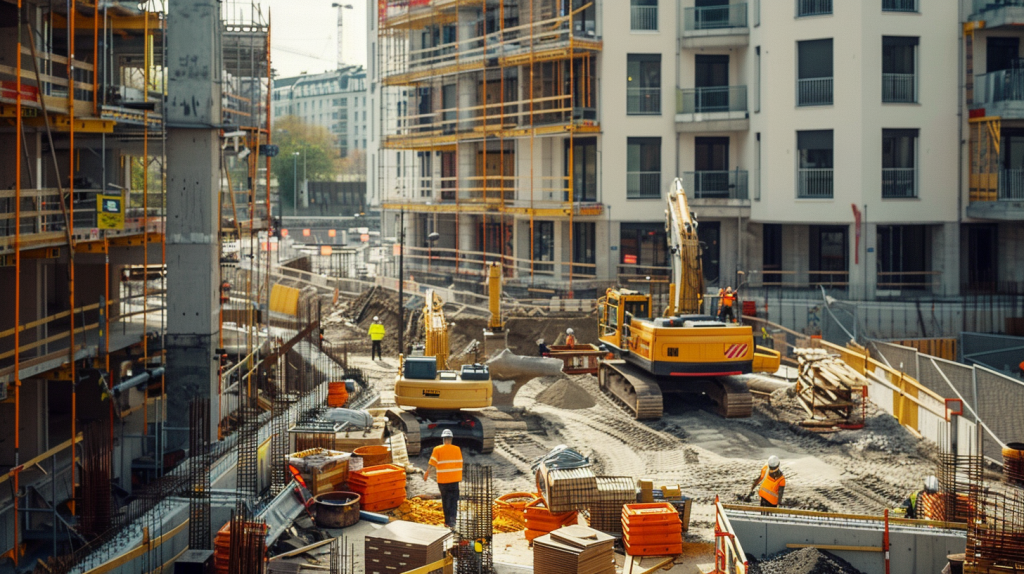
{"type": "Point", "coordinates": [1000, 86]}
{"type": "Point", "coordinates": [899, 88]}
{"type": "Point", "coordinates": [716, 184]}
{"type": "Point", "coordinates": [899, 182]}
{"type": "Point", "coordinates": [643, 18]}
{"type": "Point", "coordinates": [814, 92]}
{"type": "Point", "coordinates": [813, 7]}
{"type": "Point", "coordinates": [1011, 185]}
{"type": "Point", "coordinates": [643, 185]}
{"type": "Point", "coordinates": [899, 5]}
{"type": "Point", "coordinates": [708, 100]}
{"type": "Point", "coordinates": [715, 17]}
{"type": "Point", "coordinates": [983, 5]}
{"type": "Point", "coordinates": [643, 101]}
{"type": "Point", "coordinates": [815, 183]}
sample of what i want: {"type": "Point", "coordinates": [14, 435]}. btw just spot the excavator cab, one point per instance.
{"type": "Point", "coordinates": [616, 310]}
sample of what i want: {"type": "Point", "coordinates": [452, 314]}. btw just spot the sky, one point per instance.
{"type": "Point", "coordinates": [304, 35]}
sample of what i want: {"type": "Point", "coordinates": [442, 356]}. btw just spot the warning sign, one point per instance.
{"type": "Point", "coordinates": [110, 211]}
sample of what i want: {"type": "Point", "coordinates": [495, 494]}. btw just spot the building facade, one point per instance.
{"type": "Point", "coordinates": [820, 145]}
{"type": "Point", "coordinates": [335, 100]}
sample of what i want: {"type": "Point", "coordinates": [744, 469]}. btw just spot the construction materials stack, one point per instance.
{"type": "Point", "coordinates": [613, 492]}
{"type": "Point", "coordinates": [651, 529]}
{"type": "Point", "coordinates": [403, 546]}
{"type": "Point", "coordinates": [222, 549]}
{"type": "Point", "coordinates": [574, 549]}
{"type": "Point", "coordinates": [829, 390]}
{"type": "Point", "coordinates": [565, 480]}
{"type": "Point", "coordinates": [337, 394]}
{"type": "Point", "coordinates": [381, 487]}
{"type": "Point", "coordinates": [540, 520]}
{"type": "Point", "coordinates": [322, 469]}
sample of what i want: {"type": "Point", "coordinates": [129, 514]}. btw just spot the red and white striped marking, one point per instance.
{"type": "Point", "coordinates": [736, 351]}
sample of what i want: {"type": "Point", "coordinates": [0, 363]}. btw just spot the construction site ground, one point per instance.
{"type": "Point", "coordinates": [850, 471]}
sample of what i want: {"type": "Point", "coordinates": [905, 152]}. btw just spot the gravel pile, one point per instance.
{"type": "Point", "coordinates": [566, 394]}
{"type": "Point", "coordinates": [804, 561]}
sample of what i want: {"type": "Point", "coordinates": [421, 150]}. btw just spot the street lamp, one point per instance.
{"type": "Point", "coordinates": [295, 180]}
{"type": "Point", "coordinates": [342, 7]}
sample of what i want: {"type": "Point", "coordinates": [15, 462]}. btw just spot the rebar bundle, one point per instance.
{"type": "Point", "coordinates": [199, 535]}
{"type": "Point", "coordinates": [960, 476]}
{"type": "Point", "coordinates": [279, 444]}
{"type": "Point", "coordinates": [995, 537]}
{"type": "Point", "coordinates": [96, 499]}
{"type": "Point", "coordinates": [475, 524]}
{"type": "Point", "coordinates": [248, 544]}
{"type": "Point", "coordinates": [248, 443]}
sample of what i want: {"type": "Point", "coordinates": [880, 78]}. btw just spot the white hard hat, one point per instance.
{"type": "Point", "coordinates": [773, 462]}
{"type": "Point", "coordinates": [931, 484]}
{"type": "Point", "coordinates": [447, 434]}
{"type": "Point", "coordinates": [540, 341]}
{"type": "Point", "coordinates": [376, 318]}
{"type": "Point", "coordinates": [569, 331]}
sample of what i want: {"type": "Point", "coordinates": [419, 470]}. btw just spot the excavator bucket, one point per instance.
{"type": "Point", "coordinates": [766, 360]}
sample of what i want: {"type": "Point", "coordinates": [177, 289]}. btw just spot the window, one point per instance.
{"type": "Point", "coordinates": [643, 168]}
{"type": "Point", "coordinates": [813, 7]}
{"type": "Point", "coordinates": [711, 162]}
{"type": "Point", "coordinates": [903, 257]}
{"type": "Point", "coordinates": [448, 175]}
{"type": "Point", "coordinates": [643, 84]}
{"type": "Point", "coordinates": [814, 83]}
{"type": "Point", "coordinates": [584, 173]}
{"type": "Point", "coordinates": [899, 80]}
{"type": "Point", "coordinates": [448, 104]}
{"type": "Point", "coordinates": [757, 167]}
{"type": "Point", "coordinates": [1001, 53]}
{"type": "Point", "coordinates": [643, 15]}
{"type": "Point", "coordinates": [815, 173]}
{"type": "Point", "coordinates": [643, 244]}
{"type": "Point", "coordinates": [543, 245]}
{"type": "Point", "coordinates": [584, 248]}
{"type": "Point", "coordinates": [771, 253]}
{"type": "Point", "coordinates": [899, 163]}
{"type": "Point", "coordinates": [709, 233]}
{"type": "Point", "coordinates": [828, 259]}
{"type": "Point", "coordinates": [757, 79]}
{"type": "Point", "coordinates": [711, 81]}
{"type": "Point", "coordinates": [899, 5]}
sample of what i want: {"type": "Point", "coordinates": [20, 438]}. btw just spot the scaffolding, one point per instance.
{"type": "Point", "coordinates": [468, 88]}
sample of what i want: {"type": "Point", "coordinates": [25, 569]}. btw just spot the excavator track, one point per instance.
{"type": "Point", "coordinates": [419, 427]}
{"type": "Point", "coordinates": [731, 395]}
{"type": "Point", "coordinates": [628, 386]}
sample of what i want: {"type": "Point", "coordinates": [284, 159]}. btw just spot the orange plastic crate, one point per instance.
{"type": "Point", "coordinates": [382, 495]}
{"type": "Point", "coordinates": [379, 473]}
{"type": "Point", "coordinates": [653, 549]}
{"type": "Point", "coordinates": [649, 510]}
{"type": "Point", "coordinates": [665, 538]}
{"type": "Point", "coordinates": [363, 488]}
{"type": "Point", "coordinates": [383, 504]}
{"type": "Point", "coordinates": [652, 529]}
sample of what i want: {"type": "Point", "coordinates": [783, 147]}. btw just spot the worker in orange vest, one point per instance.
{"type": "Point", "coordinates": [570, 337]}
{"type": "Point", "coordinates": [728, 298]}
{"type": "Point", "coordinates": [446, 461]}
{"type": "Point", "coordinates": [770, 484]}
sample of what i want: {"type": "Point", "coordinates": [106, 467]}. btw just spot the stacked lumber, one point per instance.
{"type": "Point", "coordinates": [566, 489]}
{"type": "Point", "coordinates": [613, 492]}
{"type": "Point", "coordinates": [651, 529]}
{"type": "Point", "coordinates": [830, 391]}
{"type": "Point", "coordinates": [381, 487]}
{"type": "Point", "coordinates": [402, 546]}
{"type": "Point", "coordinates": [337, 394]}
{"type": "Point", "coordinates": [540, 520]}
{"type": "Point", "coordinates": [574, 550]}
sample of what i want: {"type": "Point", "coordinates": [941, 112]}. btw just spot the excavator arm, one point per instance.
{"type": "Point", "coordinates": [686, 292]}
{"type": "Point", "coordinates": [435, 329]}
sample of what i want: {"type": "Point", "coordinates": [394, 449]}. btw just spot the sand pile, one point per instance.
{"type": "Point", "coordinates": [804, 561]}
{"type": "Point", "coordinates": [566, 394]}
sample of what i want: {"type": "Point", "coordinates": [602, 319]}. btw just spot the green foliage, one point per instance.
{"type": "Point", "coordinates": [316, 156]}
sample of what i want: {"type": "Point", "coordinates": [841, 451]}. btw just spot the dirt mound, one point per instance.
{"type": "Point", "coordinates": [804, 561]}
{"type": "Point", "coordinates": [566, 394]}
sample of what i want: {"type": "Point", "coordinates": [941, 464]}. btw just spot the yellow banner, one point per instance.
{"type": "Point", "coordinates": [110, 212]}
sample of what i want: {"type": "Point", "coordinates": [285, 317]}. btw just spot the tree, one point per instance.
{"type": "Point", "coordinates": [316, 155]}
{"type": "Point", "coordinates": [354, 164]}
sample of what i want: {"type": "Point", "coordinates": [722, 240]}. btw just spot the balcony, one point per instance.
{"type": "Point", "coordinates": [899, 6]}
{"type": "Point", "coordinates": [814, 92]}
{"type": "Point", "coordinates": [998, 13]}
{"type": "Point", "coordinates": [643, 101]}
{"type": "Point", "coordinates": [1006, 204]}
{"type": "Point", "coordinates": [643, 185]}
{"type": "Point", "coordinates": [899, 88]}
{"type": "Point", "coordinates": [813, 8]}
{"type": "Point", "coordinates": [712, 109]}
{"type": "Point", "coordinates": [715, 26]}
{"type": "Point", "coordinates": [815, 183]}
{"type": "Point", "coordinates": [1000, 94]}
{"type": "Point", "coordinates": [643, 18]}
{"type": "Point", "coordinates": [899, 183]}
{"type": "Point", "coordinates": [716, 184]}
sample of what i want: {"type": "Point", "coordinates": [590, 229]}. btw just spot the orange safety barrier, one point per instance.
{"type": "Point", "coordinates": [651, 529]}
{"type": "Point", "coordinates": [337, 394]}
{"type": "Point", "coordinates": [381, 487]}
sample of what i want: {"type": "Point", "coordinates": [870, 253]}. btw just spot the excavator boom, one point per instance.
{"type": "Point", "coordinates": [687, 295]}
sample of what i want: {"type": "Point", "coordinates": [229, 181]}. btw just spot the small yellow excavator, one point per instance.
{"type": "Point", "coordinates": [432, 398]}
{"type": "Point", "coordinates": [683, 351]}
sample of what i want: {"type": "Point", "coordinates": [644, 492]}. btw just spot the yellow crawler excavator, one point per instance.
{"type": "Point", "coordinates": [432, 398]}
{"type": "Point", "coordinates": [682, 351]}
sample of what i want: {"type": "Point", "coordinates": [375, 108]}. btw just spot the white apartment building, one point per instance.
{"type": "Point", "coordinates": [819, 141]}
{"type": "Point", "coordinates": [335, 100]}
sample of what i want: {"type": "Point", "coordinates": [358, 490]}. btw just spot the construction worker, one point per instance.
{"type": "Point", "coordinates": [542, 349]}
{"type": "Point", "coordinates": [570, 337]}
{"type": "Point", "coordinates": [447, 463]}
{"type": "Point", "coordinates": [728, 298]}
{"type": "Point", "coordinates": [770, 484]}
{"type": "Point", "coordinates": [376, 333]}
{"type": "Point", "coordinates": [721, 297]}
{"type": "Point", "coordinates": [912, 503]}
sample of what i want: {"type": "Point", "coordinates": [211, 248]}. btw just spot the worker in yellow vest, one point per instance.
{"type": "Point", "coordinates": [376, 333]}
{"type": "Point", "coordinates": [446, 461]}
{"type": "Point", "coordinates": [771, 483]}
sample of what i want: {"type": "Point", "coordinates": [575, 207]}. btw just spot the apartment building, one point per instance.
{"type": "Point", "coordinates": [335, 100]}
{"type": "Point", "coordinates": [818, 143]}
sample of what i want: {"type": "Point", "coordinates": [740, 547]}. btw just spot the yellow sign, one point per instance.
{"type": "Point", "coordinates": [109, 212]}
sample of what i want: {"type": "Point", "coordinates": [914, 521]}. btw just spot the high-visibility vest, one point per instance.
{"type": "Point", "coordinates": [447, 459]}
{"type": "Point", "coordinates": [570, 340]}
{"type": "Point", "coordinates": [376, 332]}
{"type": "Point", "coordinates": [728, 298]}
{"type": "Point", "coordinates": [769, 489]}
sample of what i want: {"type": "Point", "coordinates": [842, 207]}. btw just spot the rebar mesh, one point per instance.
{"type": "Point", "coordinates": [475, 523]}
{"type": "Point", "coordinates": [959, 478]}
{"type": "Point", "coordinates": [96, 494]}
{"type": "Point", "coordinates": [279, 444]}
{"type": "Point", "coordinates": [199, 535]}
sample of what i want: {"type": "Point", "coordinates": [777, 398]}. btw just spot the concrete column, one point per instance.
{"type": "Point", "coordinates": [193, 178]}
{"type": "Point", "coordinates": [562, 253]}
{"type": "Point", "coordinates": [867, 279]}
{"type": "Point", "coordinates": [950, 258]}
{"type": "Point", "coordinates": [602, 237]}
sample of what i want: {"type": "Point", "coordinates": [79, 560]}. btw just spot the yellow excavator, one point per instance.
{"type": "Point", "coordinates": [684, 350]}
{"type": "Point", "coordinates": [432, 398]}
